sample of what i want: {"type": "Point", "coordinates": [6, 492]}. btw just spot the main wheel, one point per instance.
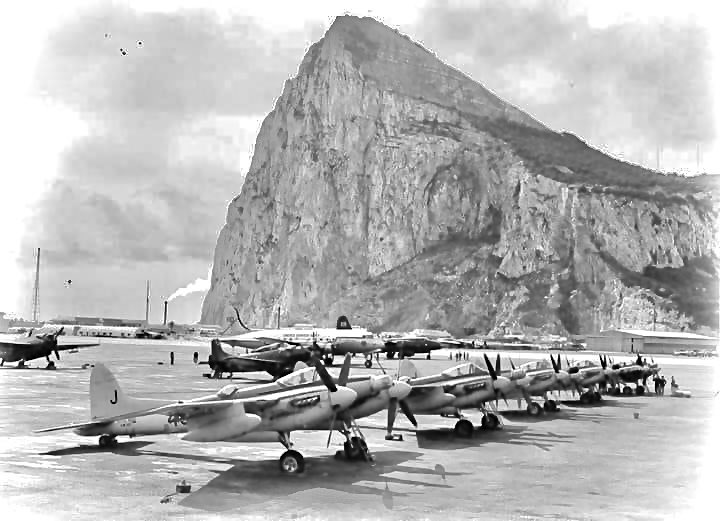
{"type": "Point", "coordinates": [368, 363]}
{"type": "Point", "coordinates": [328, 360]}
{"type": "Point", "coordinates": [390, 354]}
{"type": "Point", "coordinates": [292, 462]}
{"type": "Point", "coordinates": [640, 390]}
{"type": "Point", "coordinates": [464, 428]}
{"type": "Point", "coordinates": [534, 409]}
{"type": "Point", "coordinates": [597, 397]}
{"type": "Point", "coordinates": [428, 356]}
{"type": "Point", "coordinates": [550, 406]}
{"type": "Point", "coordinates": [493, 421]}
{"type": "Point", "coordinates": [106, 441]}
{"type": "Point", "coordinates": [627, 390]}
{"type": "Point", "coordinates": [585, 398]}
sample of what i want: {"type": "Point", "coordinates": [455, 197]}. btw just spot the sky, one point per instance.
{"type": "Point", "coordinates": [128, 126]}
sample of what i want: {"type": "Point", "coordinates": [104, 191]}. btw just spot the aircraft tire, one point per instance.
{"type": "Point", "coordinates": [368, 363]}
{"type": "Point", "coordinates": [585, 398]}
{"type": "Point", "coordinates": [534, 409]}
{"type": "Point", "coordinates": [107, 441]}
{"type": "Point", "coordinates": [640, 390]}
{"type": "Point", "coordinates": [490, 421]}
{"type": "Point", "coordinates": [328, 361]}
{"type": "Point", "coordinates": [597, 397]}
{"type": "Point", "coordinates": [550, 406]}
{"type": "Point", "coordinates": [427, 357]}
{"type": "Point", "coordinates": [292, 462]}
{"type": "Point", "coordinates": [464, 428]}
{"type": "Point", "coordinates": [390, 354]}
{"type": "Point", "coordinates": [627, 390]}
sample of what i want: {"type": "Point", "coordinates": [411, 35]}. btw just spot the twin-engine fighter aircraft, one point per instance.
{"type": "Point", "coordinates": [231, 415]}
{"type": "Point", "coordinates": [31, 347]}
{"type": "Point", "coordinates": [535, 379]}
{"type": "Point", "coordinates": [634, 373]}
{"type": "Point", "coordinates": [461, 387]}
{"type": "Point", "coordinates": [591, 376]}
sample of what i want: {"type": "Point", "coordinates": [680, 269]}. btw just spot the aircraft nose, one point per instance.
{"type": "Point", "coordinates": [503, 383]}
{"type": "Point", "coordinates": [400, 390]}
{"type": "Point", "coordinates": [343, 398]}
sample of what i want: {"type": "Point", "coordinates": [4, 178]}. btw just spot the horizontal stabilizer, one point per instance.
{"type": "Point", "coordinates": [73, 426]}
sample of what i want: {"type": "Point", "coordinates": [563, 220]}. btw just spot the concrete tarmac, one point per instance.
{"type": "Point", "coordinates": [583, 462]}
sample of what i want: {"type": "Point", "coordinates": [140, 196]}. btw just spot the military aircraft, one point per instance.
{"type": "Point", "coordinates": [366, 346]}
{"type": "Point", "coordinates": [461, 387]}
{"type": "Point", "coordinates": [374, 394]}
{"type": "Point", "coordinates": [277, 359]}
{"type": "Point", "coordinates": [259, 414]}
{"type": "Point", "coordinates": [407, 346]}
{"type": "Point", "coordinates": [634, 373]}
{"type": "Point", "coordinates": [22, 350]}
{"type": "Point", "coordinates": [536, 379]}
{"type": "Point", "coordinates": [588, 375]}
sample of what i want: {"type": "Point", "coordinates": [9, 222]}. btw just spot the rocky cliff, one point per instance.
{"type": "Point", "coordinates": [390, 187]}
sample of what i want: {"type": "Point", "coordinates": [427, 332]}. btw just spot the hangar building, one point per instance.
{"type": "Point", "coordinates": [658, 342]}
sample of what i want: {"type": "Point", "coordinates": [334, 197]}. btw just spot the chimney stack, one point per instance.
{"type": "Point", "coordinates": [165, 314]}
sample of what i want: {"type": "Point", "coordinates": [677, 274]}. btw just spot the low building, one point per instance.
{"type": "Point", "coordinates": [651, 342]}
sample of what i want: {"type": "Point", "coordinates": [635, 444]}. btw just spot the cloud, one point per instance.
{"type": "Point", "coordinates": [169, 128]}
{"type": "Point", "coordinates": [628, 82]}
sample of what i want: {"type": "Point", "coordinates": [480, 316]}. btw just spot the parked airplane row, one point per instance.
{"type": "Point", "coordinates": [309, 398]}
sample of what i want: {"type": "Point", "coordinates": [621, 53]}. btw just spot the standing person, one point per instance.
{"type": "Point", "coordinates": [195, 357]}
{"type": "Point", "coordinates": [172, 357]}
{"type": "Point", "coordinates": [656, 381]}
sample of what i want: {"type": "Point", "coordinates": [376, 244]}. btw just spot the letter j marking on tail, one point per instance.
{"type": "Point", "coordinates": [114, 402]}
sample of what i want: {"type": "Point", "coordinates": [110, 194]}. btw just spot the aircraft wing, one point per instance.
{"type": "Point", "coordinates": [65, 346]}
{"type": "Point", "coordinates": [73, 426]}
{"type": "Point", "coordinates": [454, 381]}
{"type": "Point", "coordinates": [190, 409]}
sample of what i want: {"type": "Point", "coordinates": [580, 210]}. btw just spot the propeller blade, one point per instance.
{"type": "Point", "coordinates": [490, 367]}
{"type": "Point", "coordinates": [332, 424]}
{"type": "Point", "coordinates": [554, 365]}
{"type": "Point", "coordinates": [345, 371]}
{"type": "Point", "coordinates": [497, 364]}
{"type": "Point", "coordinates": [392, 412]}
{"type": "Point", "coordinates": [323, 374]}
{"type": "Point", "coordinates": [512, 365]}
{"type": "Point", "coordinates": [405, 408]}
{"type": "Point", "coordinates": [57, 355]}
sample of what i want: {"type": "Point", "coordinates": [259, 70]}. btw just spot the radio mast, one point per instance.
{"type": "Point", "coordinates": [36, 290]}
{"type": "Point", "coordinates": [147, 302]}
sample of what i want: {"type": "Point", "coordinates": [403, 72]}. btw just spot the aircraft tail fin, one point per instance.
{"type": "Point", "coordinates": [343, 323]}
{"type": "Point", "coordinates": [107, 398]}
{"type": "Point", "coordinates": [408, 369]}
{"type": "Point", "coordinates": [216, 350]}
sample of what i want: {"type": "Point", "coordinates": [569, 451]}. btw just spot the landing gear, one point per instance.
{"type": "Point", "coordinates": [464, 428]}
{"type": "Point", "coordinates": [107, 441]}
{"type": "Point", "coordinates": [550, 406]}
{"type": "Point", "coordinates": [368, 363]}
{"type": "Point", "coordinates": [640, 390]}
{"type": "Point", "coordinates": [597, 396]}
{"type": "Point", "coordinates": [51, 365]}
{"type": "Point", "coordinates": [292, 462]}
{"type": "Point", "coordinates": [328, 360]}
{"type": "Point", "coordinates": [428, 356]}
{"type": "Point", "coordinates": [490, 421]}
{"type": "Point", "coordinates": [534, 409]}
{"type": "Point", "coordinates": [21, 364]}
{"type": "Point", "coordinates": [627, 390]}
{"type": "Point", "coordinates": [355, 446]}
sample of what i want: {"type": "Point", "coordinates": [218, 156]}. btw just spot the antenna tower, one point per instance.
{"type": "Point", "coordinates": [36, 290]}
{"type": "Point", "coordinates": [147, 302]}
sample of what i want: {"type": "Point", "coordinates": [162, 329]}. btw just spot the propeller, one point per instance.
{"type": "Point", "coordinates": [342, 380]}
{"type": "Point", "coordinates": [323, 374]}
{"type": "Point", "coordinates": [493, 375]}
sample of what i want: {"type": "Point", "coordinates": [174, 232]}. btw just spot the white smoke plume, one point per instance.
{"type": "Point", "coordinates": [194, 287]}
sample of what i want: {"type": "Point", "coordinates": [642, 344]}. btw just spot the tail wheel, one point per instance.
{"type": "Point", "coordinates": [368, 363]}
{"type": "Point", "coordinates": [292, 462]}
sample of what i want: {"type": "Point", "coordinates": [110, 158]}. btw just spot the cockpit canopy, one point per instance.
{"type": "Point", "coordinates": [304, 376]}
{"type": "Point", "coordinates": [536, 365]}
{"type": "Point", "coordinates": [468, 369]}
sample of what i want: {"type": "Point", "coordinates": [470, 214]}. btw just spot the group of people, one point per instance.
{"type": "Point", "coordinates": [464, 355]}
{"type": "Point", "coordinates": [660, 382]}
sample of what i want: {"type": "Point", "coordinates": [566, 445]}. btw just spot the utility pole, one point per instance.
{"type": "Point", "coordinates": [147, 303]}
{"type": "Point", "coordinates": [278, 318]}
{"type": "Point", "coordinates": [36, 290]}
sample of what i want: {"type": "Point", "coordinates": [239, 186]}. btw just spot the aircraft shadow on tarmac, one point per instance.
{"type": "Point", "coordinates": [445, 439]}
{"type": "Point", "coordinates": [48, 371]}
{"type": "Point", "coordinates": [129, 448]}
{"type": "Point", "coordinates": [255, 482]}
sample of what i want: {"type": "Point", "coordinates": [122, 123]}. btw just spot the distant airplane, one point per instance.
{"type": "Point", "coordinates": [259, 414]}
{"type": "Point", "coordinates": [588, 375]}
{"type": "Point", "coordinates": [276, 359]}
{"type": "Point", "coordinates": [31, 347]}
{"type": "Point", "coordinates": [407, 346]}
{"type": "Point", "coordinates": [634, 373]}
{"type": "Point", "coordinates": [464, 386]}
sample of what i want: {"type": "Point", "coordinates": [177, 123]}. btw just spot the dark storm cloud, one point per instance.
{"type": "Point", "coordinates": [126, 191]}
{"type": "Point", "coordinates": [643, 81]}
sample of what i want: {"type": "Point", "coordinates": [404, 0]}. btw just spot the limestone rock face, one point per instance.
{"type": "Point", "coordinates": [390, 187]}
